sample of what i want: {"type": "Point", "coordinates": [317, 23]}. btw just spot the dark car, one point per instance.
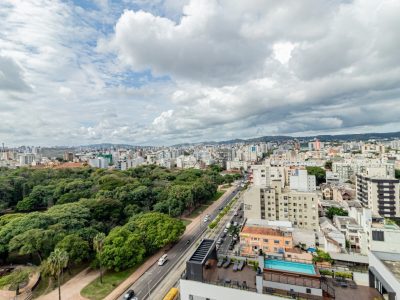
{"type": "Point", "coordinates": [130, 295]}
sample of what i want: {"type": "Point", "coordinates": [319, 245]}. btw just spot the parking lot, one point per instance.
{"type": "Point", "coordinates": [228, 237]}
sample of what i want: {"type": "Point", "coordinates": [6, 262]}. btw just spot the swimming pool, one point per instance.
{"type": "Point", "coordinates": [289, 266]}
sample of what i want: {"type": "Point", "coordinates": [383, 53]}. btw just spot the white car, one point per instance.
{"type": "Point", "coordinates": [235, 224]}
{"type": "Point", "coordinates": [205, 220]}
{"type": "Point", "coordinates": [162, 260]}
{"type": "Point", "coordinates": [225, 230]}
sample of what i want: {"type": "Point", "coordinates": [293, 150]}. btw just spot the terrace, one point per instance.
{"type": "Point", "coordinates": [244, 279]}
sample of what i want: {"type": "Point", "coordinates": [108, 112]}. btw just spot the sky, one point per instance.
{"type": "Point", "coordinates": [161, 72]}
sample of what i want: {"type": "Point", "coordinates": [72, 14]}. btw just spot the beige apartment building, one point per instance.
{"type": "Point", "coordinates": [275, 203]}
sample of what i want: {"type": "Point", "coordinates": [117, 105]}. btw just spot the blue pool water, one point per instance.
{"type": "Point", "coordinates": [289, 266]}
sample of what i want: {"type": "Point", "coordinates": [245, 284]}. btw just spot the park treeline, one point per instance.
{"type": "Point", "coordinates": [67, 208]}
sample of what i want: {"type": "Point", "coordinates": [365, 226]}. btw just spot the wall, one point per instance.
{"type": "Point", "coordinates": [252, 203]}
{"type": "Point", "coordinates": [375, 262]}
{"type": "Point", "coordinates": [296, 288]}
{"type": "Point", "coordinates": [202, 291]}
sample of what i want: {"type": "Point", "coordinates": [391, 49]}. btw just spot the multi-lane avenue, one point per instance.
{"type": "Point", "coordinates": [148, 282]}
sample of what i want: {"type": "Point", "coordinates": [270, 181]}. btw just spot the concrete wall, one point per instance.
{"type": "Point", "coordinates": [252, 209]}
{"type": "Point", "coordinates": [296, 288]}
{"type": "Point", "coordinates": [202, 291]}
{"type": "Point", "coordinates": [384, 272]}
{"type": "Point", "coordinates": [390, 244]}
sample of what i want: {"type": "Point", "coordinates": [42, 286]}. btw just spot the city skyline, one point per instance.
{"type": "Point", "coordinates": [176, 71]}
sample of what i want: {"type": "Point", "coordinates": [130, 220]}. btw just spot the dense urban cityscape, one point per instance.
{"type": "Point", "coordinates": [327, 211]}
{"type": "Point", "coordinates": [199, 150]}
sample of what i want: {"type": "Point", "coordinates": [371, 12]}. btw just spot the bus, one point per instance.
{"type": "Point", "coordinates": [172, 294]}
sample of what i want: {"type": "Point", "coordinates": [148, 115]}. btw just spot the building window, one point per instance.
{"type": "Point", "coordinates": [378, 236]}
{"type": "Point", "coordinates": [276, 241]}
{"type": "Point", "coordinates": [265, 240]}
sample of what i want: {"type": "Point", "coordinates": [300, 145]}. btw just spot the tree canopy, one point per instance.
{"type": "Point", "coordinates": [65, 209]}
{"type": "Point", "coordinates": [320, 174]}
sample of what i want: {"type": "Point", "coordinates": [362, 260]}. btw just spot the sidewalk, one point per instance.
{"type": "Point", "coordinates": [119, 290]}
{"type": "Point", "coordinates": [71, 290]}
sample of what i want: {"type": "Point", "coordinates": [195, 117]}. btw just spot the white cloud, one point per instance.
{"type": "Point", "coordinates": [208, 69]}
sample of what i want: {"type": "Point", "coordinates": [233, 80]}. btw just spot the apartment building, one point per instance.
{"type": "Point", "coordinates": [379, 192]}
{"type": "Point", "coordinates": [382, 235]}
{"type": "Point", "coordinates": [263, 175]}
{"type": "Point", "coordinates": [354, 233]}
{"type": "Point", "coordinates": [268, 239]}
{"type": "Point", "coordinates": [347, 169]}
{"type": "Point", "coordinates": [302, 182]}
{"type": "Point", "coordinates": [275, 203]}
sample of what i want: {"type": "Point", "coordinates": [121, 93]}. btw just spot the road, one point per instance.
{"type": "Point", "coordinates": [173, 277]}
{"type": "Point", "coordinates": [155, 274]}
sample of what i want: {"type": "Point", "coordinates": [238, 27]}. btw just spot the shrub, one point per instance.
{"type": "Point", "coordinates": [326, 272]}
{"type": "Point", "coordinates": [344, 274]}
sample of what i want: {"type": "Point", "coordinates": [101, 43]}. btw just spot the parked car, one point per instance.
{"type": "Point", "coordinates": [235, 214]}
{"type": "Point", "coordinates": [227, 263]}
{"type": "Point", "coordinates": [223, 234]}
{"type": "Point", "coordinates": [231, 247]}
{"type": "Point", "coordinates": [241, 265]}
{"type": "Point", "coordinates": [235, 266]}
{"type": "Point", "coordinates": [225, 230]}
{"type": "Point", "coordinates": [235, 237]}
{"type": "Point", "coordinates": [235, 224]}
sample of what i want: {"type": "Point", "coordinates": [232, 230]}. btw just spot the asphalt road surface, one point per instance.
{"type": "Point", "coordinates": [155, 274]}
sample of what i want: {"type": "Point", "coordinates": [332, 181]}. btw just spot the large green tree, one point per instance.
{"type": "Point", "coordinates": [35, 241]}
{"type": "Point", "coordinates": [320, 174]}
{"type": "Point", "coordinates": [156, 230]}
{"type": "Point", "coordinates": [122, 249]}
{"type": "Point", "coordinates": [76, 248]}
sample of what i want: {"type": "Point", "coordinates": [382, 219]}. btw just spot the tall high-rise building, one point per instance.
{"type": "Point", "coordinates": [379, 192]}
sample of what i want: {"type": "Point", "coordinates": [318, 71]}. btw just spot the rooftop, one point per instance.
{"type": "Point", "coordinates": [394, 267]}
{"type": "Point", "coordinates": [216, 275]}
{"type": "Point", "coordinates": [391, 261]}
{"type": "Point", "coordinates": [264, 231]}
{"type": "Point", "coordinates": [202, 251]}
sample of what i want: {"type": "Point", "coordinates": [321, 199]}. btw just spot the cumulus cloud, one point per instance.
{"type": "Point", "coordinates": [11, 77]}
{"type": "Point", "coordinates": [274, 66]}
{"type": "Point", "coordinates": [167, 71]}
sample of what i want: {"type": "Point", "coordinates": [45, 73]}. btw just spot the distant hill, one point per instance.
{"type": "Point", "coordinates": [322, 138]}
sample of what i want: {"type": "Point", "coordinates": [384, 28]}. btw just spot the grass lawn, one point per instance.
{"type": "Point", "coordinates": [217, 195]}
{"type": "Point", "coordinates": [197, 211]}
{"type": "Point", "coordinates": [203, 207]}
{"type": "Point", "coordinates": [97, 291]}
{"type": "Point", "coordinates": [46, 285]}
{"type": "Point", "coordinates": [186, 222]}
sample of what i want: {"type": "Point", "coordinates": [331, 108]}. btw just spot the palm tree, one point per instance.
{"type": "Point", "coordinates": [56, 262]}
{"type": "Point", "coordinates": [98, 244]}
